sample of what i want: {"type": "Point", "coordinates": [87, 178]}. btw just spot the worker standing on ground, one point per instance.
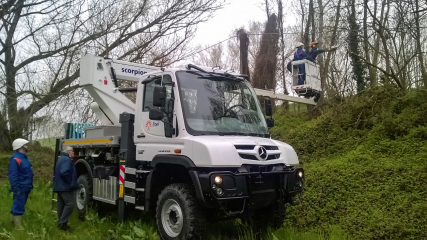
{"type": "Point", "coordinates": [300, 54]}
{"type": "Point", "coordinates": [21, 180]}
{"type": "Point", "coordinates": [65, 184]}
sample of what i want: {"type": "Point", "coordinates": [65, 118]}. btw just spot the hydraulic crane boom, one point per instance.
{"type": "Point", "coordinates": [100, 78]}
{"type": "Point", "coordinates": [284, 97]}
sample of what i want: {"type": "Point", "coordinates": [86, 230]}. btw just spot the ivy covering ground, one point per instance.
{"type": "Point", "coordinates": [365, 161]}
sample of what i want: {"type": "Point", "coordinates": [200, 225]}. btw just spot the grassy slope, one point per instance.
{"type": "Point", "coordinates": [40, 223]}
{"type": "Point", "coordinates": [365, 163]}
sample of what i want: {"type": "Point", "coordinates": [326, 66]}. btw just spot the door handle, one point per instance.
{"type": "Point", "coordinates": [141, 136]}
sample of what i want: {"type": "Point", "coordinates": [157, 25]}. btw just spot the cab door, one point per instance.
{"type": "Point", "coordinates": [152, 131]}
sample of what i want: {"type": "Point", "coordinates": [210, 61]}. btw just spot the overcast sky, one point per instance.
{"type": "Point", "coordinates": [235, 14]}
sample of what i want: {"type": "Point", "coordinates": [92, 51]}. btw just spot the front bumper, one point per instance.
{"type": "Point", "coordinates": [258, 186]}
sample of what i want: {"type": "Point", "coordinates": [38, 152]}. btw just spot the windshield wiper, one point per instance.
{"type": "Point", "coordinates": [207, 74]}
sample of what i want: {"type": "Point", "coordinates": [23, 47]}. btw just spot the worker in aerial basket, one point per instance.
{"type": "Point", "coordinates": [21, 180]}
{"type": "Point", "coordinates": [314, 51]}
{"type": "Point", "coordinates": [300, 54]}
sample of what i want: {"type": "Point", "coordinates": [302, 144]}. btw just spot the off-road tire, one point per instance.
{"type": "Point", "coordinates": [194, 217]}
{"type": "Point", "coordinates": [83, 182]}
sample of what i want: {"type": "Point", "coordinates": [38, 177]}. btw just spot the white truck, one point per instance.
{"type": "Point", "coordinates": [194, 147]}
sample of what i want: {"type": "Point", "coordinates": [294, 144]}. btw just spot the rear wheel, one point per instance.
{"type": "Point", "coordinates": [178, 214]}
{"type": "Point", "coordinates": [83, 194]}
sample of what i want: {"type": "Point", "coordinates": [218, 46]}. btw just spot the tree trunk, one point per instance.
{"type": "Point", "coordinates": [353, 45]}
{"type": "Point", "coordinates": [282, 53]}
{"type": "Point", "coordinates": [302, 19]}
{"type": "Point", "coordinates": [313, 26]}
{"type": "Point", "coordinates": [329, 56]}
{"type": "Point", "coordinates": [366, 44]}
{"type": "Point", "coordinates": [11, 97]}
{"type": "Point", "coordinates": [264, 75]}
{"type": "Point", "coordinates": [307, 26]}
{"type": "Point", "coordinates": [377, 40]}
{"type": "Point", "coordinates": [419, 50]}
{"type": "Point", "coordinates": [320, 40]}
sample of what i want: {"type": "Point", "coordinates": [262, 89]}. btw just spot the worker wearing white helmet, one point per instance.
{"type": "Point", "coordinates": [21, 180]}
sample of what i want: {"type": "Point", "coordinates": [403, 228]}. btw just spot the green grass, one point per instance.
{"type": "Point", "coordinates": [48, 142]}
{"type": "Point", "coordinates": [40, 223]}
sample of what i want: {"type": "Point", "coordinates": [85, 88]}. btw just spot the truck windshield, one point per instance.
{"type": "Point", "coordinates": [215, 105]}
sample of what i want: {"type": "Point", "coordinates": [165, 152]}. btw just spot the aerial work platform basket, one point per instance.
{"type": "Point", "coordinates": [311, 86]}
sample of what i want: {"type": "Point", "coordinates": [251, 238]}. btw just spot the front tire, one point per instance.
{"type": "Point", "coordinates": [83, 194]}
{"type": "Point", "coordinates": [178, 214]}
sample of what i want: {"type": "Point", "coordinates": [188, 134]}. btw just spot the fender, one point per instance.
{"type": "Point", "coordinates": [86, 164]}
{"type": "Point", "coordinates": [178, 160]}
{"type": "Point", "coordinates": [172, 159]}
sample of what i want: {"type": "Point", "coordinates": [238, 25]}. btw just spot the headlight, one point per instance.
{"type": "Point", "coordinates": [218, 180]}
{"type": "Point", "coordinates": [300, 174]}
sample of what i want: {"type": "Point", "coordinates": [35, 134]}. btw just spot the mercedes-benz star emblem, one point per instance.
{"type": "Point", "coordinates": [262, 152]}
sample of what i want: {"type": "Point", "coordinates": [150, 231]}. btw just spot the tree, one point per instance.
{"type": "Point", "coordinates": [353, 46]}
{"type": "Point", "coordinates": [264, 75]}
{"type": "Point", "coordinates": [43, 40]}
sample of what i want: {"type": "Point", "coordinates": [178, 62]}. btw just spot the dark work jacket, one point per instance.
{"type": "Point", "coordinates": [301, 54]}
{"type": "Point", "coordinates": [314, 52]}
{"type": "Point", "coordinates": [65, 175]}
{"type": "Point", "coordinates": [20, 173]}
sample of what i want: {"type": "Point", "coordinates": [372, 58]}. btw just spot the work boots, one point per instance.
{"type": "Point", "coordinates": [64, 226]}
{"type": "Point", "coordinates": [17, 220]}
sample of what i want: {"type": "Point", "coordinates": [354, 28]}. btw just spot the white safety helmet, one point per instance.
{"type": "Point", "coordinates": [298, 45]}
{"type": "Point", "coordinates": [18, 143]}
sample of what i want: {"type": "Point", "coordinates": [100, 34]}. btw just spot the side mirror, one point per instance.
{"type": "Point", "coordinates": [159, 95]}
{"type": "Point", "coordinates": [155, 114]}
{"type": "Point", "coordinates": [268, 109]}
{"type": "Point", "coordinates": [270, 122]}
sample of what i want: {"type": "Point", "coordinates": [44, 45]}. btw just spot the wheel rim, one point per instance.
{"type": "Point", "coordinates": [172, 218]}
{"type": "Point", "coordinates": [81, 197]}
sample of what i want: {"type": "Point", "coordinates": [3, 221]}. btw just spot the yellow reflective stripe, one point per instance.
{"type": "Point", "coordinates": [121, 191]}
{"type": "Point", "coordinates": [88, 141]}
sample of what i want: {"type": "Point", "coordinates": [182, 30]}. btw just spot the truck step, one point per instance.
{"type": "Point", "coordinates": [140, 208]}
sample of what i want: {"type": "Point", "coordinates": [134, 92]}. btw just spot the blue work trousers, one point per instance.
{"type": "Point", "coordinates": [301, 74]}
{"type": "Point", "coordinates": [19, 201]}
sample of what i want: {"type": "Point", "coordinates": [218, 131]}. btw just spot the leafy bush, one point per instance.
{"type": "Point", "coordinates": [365, 164]}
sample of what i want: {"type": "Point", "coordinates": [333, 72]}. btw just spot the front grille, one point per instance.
{"type": "Point", "coordinates": [248, 156]}
{"type": "Point", "coordinates": [253, 157]}
{"type": "Point", "coordinates": [250, 152]}
{"type": "Point", "coordinates": [244, 147]}
{"type": "Point", "coordinates": [271, 147]}
{"type": "Point", "coordinates": [273, 157]}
